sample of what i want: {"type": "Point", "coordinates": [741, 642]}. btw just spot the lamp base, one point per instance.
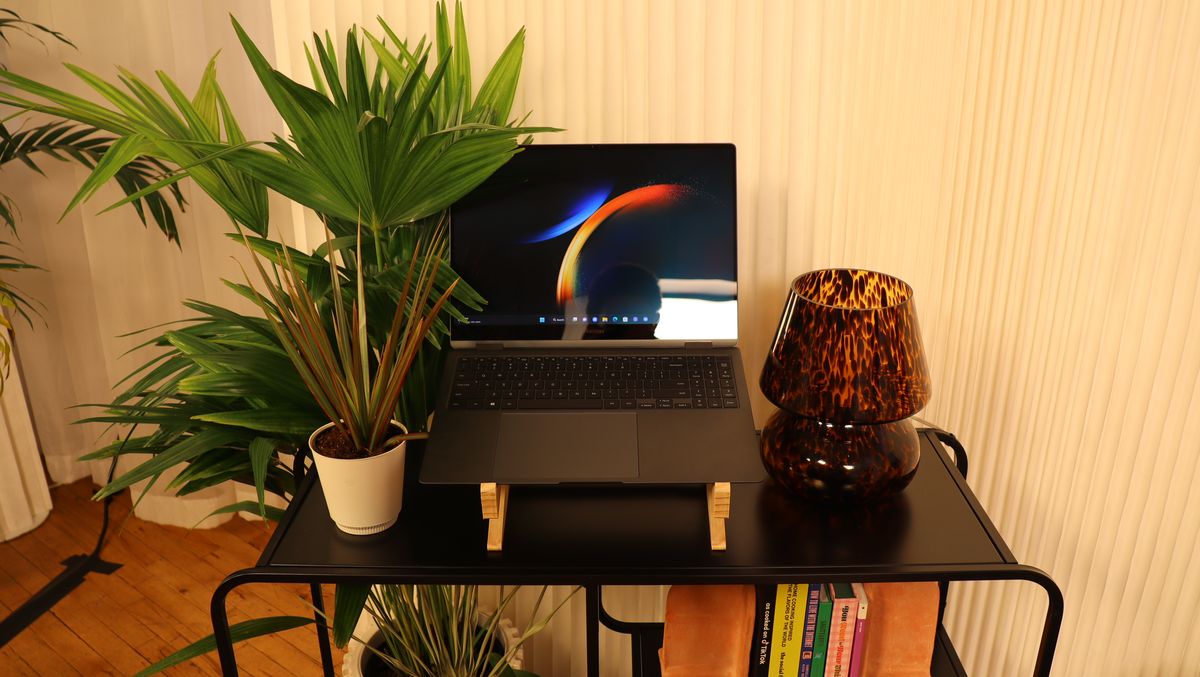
{"type": "Point", "coordinates": [839, 463]}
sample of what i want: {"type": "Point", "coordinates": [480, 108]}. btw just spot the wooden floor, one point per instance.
{"type": "Point", "coordinates": [156, 603]}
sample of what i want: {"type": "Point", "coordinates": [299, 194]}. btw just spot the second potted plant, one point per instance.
{"type": "Point", "coordinates": [360, 453]}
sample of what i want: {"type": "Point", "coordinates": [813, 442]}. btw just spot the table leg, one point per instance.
{"type": "Point", "coordinates": [322, 630]}
{"type": "Point", "coordinates": [1024, 572]}
{"type": "Point", "coordinates": [1053, 623]}
{"type": "Point", "coordinates": [592, 595]}
{"type": "Point", "coordinates": [220, 623]}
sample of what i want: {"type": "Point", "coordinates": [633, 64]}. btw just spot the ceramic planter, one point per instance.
{"type": "Point", "coordinates": [364, 495]}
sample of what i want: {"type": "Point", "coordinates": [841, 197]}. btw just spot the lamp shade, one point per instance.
{"type": "Point", "coordinates": [848, 350]}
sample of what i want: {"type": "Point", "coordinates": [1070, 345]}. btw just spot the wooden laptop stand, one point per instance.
{"type": "Point", "coordinates": [493, 498]}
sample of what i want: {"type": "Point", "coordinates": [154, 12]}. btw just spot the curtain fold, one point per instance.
{"type": "Point", "coordinates": [1029, 168]}
{"type": "Point", "coordinates": [24, 496]}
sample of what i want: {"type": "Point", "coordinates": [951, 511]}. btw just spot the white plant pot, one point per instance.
{"type": "Point", "coordinates": [366, 629]}
{"type": "Point", "coordinates": [364, 495]}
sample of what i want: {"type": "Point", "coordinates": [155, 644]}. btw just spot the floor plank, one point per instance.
{"type": "Point", "coordinates": [155, 604]}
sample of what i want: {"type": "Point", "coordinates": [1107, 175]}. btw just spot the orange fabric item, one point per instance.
{"type": "Point", "coordinates": [901, 627]}
{"type": "Point", "coordinates": [707, 631]}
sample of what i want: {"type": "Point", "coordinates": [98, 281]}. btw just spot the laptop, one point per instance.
{"type": "Point", "coordinates": [607, 350]}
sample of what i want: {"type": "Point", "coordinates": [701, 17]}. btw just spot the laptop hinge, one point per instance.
{"type": "Point", "coordinates": [697, 345]}
{"type": "Point", "coordinates": [489, 345]}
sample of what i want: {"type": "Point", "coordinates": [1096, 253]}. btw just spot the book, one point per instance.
{"type": "Point", "coordinates": [810, 630]}
{"type": "Point", "coordinates": [860, 632]}
{"type": "Point", "coordinates": [787, 630]}
{"type": "Point", "coordinates": [764, 616]}
{"type": "Point", "coordinates": [841, 629]}
{"type": "Point", "coordinates": [821, 638]}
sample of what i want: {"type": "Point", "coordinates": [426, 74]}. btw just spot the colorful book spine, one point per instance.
{"type": "Point", "coordinates": [860, 632]}
{"type": "Point", "coordinates": [760, 647]}
{"type": "Point", "coordinates": [810, 630]}
{"type": "Point", "coordinates": [821, 639]}
{"type": "Point", "coordinates": [787, 630]}
{"type": "Point", "coordinates": [841, 629]}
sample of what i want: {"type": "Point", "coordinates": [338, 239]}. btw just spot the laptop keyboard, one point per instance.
{"type": "Point", "coordinates": [594, 382]}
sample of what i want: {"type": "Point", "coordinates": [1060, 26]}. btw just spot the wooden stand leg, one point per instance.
{"type": "Point", "coordinates": [718, 512]}
{"type": "Point", "coordinates": [494, 500]}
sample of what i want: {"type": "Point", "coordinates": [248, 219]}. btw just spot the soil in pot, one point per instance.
{"type": "Point", "coordinates": [336, 443]}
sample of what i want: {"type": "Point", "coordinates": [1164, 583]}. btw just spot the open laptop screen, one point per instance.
{"type": "Point", "coordinates": [621, 241]}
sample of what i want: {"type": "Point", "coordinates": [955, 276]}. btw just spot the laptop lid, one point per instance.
{"type": "Point", "coordinates": [601, 244]}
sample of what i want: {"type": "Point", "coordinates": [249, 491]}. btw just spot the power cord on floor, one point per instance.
{"type": "Point", "coordinates": [77, 567]}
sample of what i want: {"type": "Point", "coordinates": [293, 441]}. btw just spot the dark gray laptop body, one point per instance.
{"type": "Point", "coordinates": [541, 392]}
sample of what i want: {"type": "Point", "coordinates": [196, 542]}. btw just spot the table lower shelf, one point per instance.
{"type": "Point", "coordinates": [648, 641]}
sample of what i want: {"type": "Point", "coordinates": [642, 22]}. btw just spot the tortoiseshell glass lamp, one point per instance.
{"type": "Point", "coordinates": [847, 369]}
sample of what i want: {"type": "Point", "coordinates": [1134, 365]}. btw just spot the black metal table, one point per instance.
{"type": "Point", "coordinates": [934, 531]}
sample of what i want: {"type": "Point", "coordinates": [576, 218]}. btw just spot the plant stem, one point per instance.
{"type": "Point", "coordinates": [378, 252]}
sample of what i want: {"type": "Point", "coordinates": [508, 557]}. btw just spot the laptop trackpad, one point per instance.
{"type": "Point", "coordinates": [567, 447]}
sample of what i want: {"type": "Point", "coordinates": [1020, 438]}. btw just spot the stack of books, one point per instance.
{"type": "Point", "coordinates": [838, 630]}
{"type": "Point", "coordinates": [810, 630]}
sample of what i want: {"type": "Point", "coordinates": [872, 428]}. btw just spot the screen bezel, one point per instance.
{"type": "Point", "coordinates": [458, 341]}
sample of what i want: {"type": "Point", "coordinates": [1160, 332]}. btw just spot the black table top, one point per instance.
{"type": "Point", "coordinates": [641, 535]}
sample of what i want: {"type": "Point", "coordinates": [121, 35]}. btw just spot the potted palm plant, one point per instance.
{"type": "Point", "coordinates": [359, 453]}
{"type": "Point", "coordinates": [385, 138]}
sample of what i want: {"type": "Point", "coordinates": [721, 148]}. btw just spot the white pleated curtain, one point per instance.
{"type": "Point", "coordinates": [1030, 168]}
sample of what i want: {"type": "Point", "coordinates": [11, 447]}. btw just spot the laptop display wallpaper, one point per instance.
{"type": "Point", "coordinates": [602, 242]}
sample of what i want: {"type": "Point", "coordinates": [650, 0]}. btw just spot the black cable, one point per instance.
{"type": "Point", "coordinates": [108, 500]}
{"type": "Point", "coordinates": [77, 567]}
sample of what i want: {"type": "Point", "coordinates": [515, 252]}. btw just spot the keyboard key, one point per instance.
{"type": "Point", "coordinates": [559, 404]}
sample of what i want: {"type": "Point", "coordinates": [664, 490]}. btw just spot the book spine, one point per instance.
{"type": "Point", "coordinates": [785, 634]}
{"type": "Point", "coordinates": [810, 630]}
{"type": "Point", "coordinates": [841, 630]}
{"type": "Point", "coordinates": [860, 632]}
{"type": "Point", "coordinates": [760, 648]}
{"type": "Point", "coordinates": [821, 639]}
